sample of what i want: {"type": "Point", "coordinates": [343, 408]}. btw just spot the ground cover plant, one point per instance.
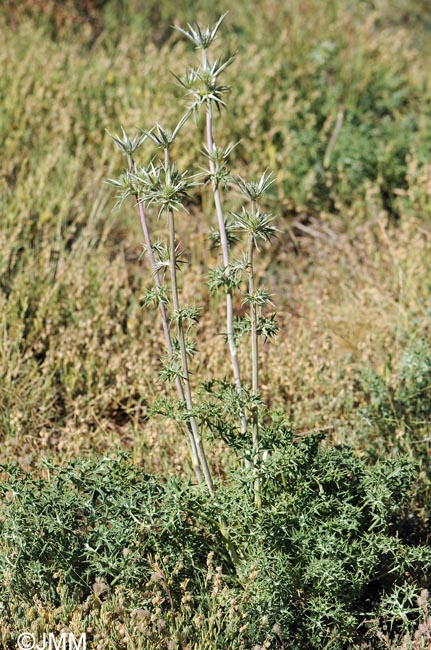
{"type": "Point", "coordinates": [305, 523]}
{"type": "Point", "coordinates": [318, 567]}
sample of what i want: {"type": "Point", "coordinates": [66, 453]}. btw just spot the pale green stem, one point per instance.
{"type": "Point", "coordinates": [225, 254]}
{"type": "Point", "coordinates": [162, 309]}
{"type": "Point", "coordinates": [255, 369]}
{"type": "Point", "coordinates": [181, 341]}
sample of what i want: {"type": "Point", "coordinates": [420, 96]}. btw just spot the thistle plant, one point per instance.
{"type": "Point", "coordinates": [161, 188]}
{"type": "Point", "coordinates": [203, 86]}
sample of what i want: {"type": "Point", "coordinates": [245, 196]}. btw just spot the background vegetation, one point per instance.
{"type": "Point", "coordinates": [333, 97]}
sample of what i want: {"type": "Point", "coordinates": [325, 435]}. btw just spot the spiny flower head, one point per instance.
{"type": "Point", "coordinates": [254, 189]}
{"type": "Point", "coordinates": [201, 38]}
{"type": "Point", "coordinates": [126, 145]}
{"type": "Point", "coordinates": [257, 224]}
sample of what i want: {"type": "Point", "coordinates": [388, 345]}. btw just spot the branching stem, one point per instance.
{"type": "Point", "coordinates": [191, 424]}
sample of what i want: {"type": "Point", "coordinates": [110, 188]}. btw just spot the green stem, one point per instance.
{"type": "Point", "coordinates": [255, 371]}
{"type": "Point", "coordinates": [181, 341]}
{"type": "Point", "coordinates": [168, 340]}
{"type": "Point", "coordinates": [225, 254]}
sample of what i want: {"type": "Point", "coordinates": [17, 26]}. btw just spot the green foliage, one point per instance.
{"type": "Point", "coordinates": [399, 409]}
{"type": "Point", "coordinates": [323, 553]}
{"type": "Point", "coordinates": [89, 519]}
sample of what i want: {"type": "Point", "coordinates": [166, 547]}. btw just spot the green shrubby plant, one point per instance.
{"type": "Point", "coordinates": [321, 561]}
{"type": "Point", "coordinates": [396, 417]}
{"type": "Point", "coordinates": [397, 406]}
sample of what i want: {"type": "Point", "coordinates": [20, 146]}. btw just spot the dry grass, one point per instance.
{"type": "Point", "coordinates": [78, 355]}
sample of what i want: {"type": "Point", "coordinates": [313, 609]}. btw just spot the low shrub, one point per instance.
{"type": "Point", "coordinates": [318, 563]}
